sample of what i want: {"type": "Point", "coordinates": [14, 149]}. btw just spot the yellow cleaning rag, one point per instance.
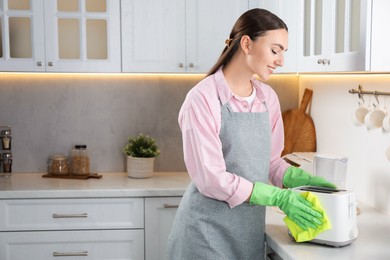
{"type": "Point", "coordinates": [302, 235]}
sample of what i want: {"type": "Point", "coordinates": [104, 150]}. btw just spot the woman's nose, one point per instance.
{"type": "Point", "coordinates": [280, 61]}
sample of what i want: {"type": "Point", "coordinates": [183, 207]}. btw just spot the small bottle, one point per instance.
{"type": "Point", "coordinates": [6, 139]}
{"type": "Point", "coordinates": [7, 163]}
{"type": "Point", "coordinates": [80, 160]}
{"type": "Point", "coordinates": [58, 165]}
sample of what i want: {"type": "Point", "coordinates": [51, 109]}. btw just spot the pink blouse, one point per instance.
{"type": "Point", "coordinates": [200, 123]}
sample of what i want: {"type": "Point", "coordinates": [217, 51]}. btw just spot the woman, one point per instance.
{"type": "Point", "coordinates": [232, 140]}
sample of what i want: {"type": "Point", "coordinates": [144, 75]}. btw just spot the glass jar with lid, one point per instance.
{"type": "Point", "coordinates": [58, 165]}
{"type": "Point", "coordinates": [80, 160]}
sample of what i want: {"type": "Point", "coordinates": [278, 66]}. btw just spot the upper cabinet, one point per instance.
{"type": "Point", "coordinates": [185, 36]}
{"type": "Point", "coordinates": [60, 35]}
{"type": "Point", "coordinates": [335, 35]}
{"type": "Point", "coordinates": [176, 35]}
{"type": "Point", "coordinates": [287, 11]}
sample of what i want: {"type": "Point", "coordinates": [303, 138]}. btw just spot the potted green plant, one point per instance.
{"type": "Point", "coordinates": [141, 152]}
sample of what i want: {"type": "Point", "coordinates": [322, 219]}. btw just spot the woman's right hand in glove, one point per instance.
{"type": "Point", "coordinates": [296, 207]}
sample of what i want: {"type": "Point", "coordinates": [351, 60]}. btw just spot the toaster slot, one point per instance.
{"type": "Point", "coordinates": [319, 189]}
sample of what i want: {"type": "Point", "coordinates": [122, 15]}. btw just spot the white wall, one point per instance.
{"type": "Point", "coordinates": [331, 109]}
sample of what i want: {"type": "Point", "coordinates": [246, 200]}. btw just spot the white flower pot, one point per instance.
{"type": "Point", "coordinates": [140, 168]}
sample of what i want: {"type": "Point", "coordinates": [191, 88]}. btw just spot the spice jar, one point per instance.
{"type": "Point", "coordinates": [80, 160]}
{"type": "Point", "coordinates": [6, 139]}
{"type": "Point", "coordinates": [58, 165]}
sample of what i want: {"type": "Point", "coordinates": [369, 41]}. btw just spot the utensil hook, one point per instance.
{"type": "Point", "coordinates": [360, 93]}
{"type": "Point", "coordinates": [376, 98]}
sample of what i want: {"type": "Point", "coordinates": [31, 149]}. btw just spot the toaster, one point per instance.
{"type": "Point", "coordinates": [341, 208]}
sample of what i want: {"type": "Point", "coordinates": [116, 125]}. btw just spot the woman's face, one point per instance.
{"type": "Point", "coordinates": [266, 53]}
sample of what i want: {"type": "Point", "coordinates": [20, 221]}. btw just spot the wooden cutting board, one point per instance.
{"type": "Point", "coordinates": [299, 129]}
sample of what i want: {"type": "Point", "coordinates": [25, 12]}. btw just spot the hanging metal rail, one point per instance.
{"type": "Point", "coordinates": [362, 92]}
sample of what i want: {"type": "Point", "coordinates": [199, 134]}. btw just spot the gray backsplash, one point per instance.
{"type": "Point", "coordinates": [49, 113]}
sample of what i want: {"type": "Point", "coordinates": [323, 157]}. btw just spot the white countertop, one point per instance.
{"type": "Point", "coordinates": [373, 241]}
{"type": "Point", "coordinates": [33, 185]}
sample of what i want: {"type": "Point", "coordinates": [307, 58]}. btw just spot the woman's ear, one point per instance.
{"type": "Point", "coordinates": [245, 44]}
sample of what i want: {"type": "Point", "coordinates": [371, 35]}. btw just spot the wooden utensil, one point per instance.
{"type": "Point", "coordinates": [299, 129]}
{"type": "Point", "coordinates": [76, 177]}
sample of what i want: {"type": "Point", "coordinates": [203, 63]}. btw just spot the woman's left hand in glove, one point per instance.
{"type": "Point", "coordinates": [295, 177]}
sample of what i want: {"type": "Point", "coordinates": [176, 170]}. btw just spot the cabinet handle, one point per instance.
{"type": "Point", "coordinates": [50, 63]}
{"type": "Point", "coordinates": [85, 253]}
{"type": "Point", "coordinates": [191, 65]}
{"type": "Point", "coordinates": [323, 61]}
{"type": "Point", "coordinates": [169, 206]}
{"type": "Point", "coordinates": [82, 215]}
{"type": "Point", "coordinates": [39, 63]}
{"type": "Point", "coordinates": [181, 65]}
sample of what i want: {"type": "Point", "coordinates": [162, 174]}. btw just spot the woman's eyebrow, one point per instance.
{"type": "Point", "coordinates": [280, 46]}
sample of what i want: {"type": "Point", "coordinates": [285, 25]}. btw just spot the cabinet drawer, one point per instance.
{"type": "Point", "coordinates": [92, 244]}
{"type": "Point", "coordinates": [60, 214]}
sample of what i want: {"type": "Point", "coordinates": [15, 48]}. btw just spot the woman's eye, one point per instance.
{"type": "Point", "coordinates": [274, 52]}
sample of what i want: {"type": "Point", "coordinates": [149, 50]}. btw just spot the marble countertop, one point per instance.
{"type": "Point", "coordinates": [33, 185]}
{"type": "Point", "coordinates": [372, 242]}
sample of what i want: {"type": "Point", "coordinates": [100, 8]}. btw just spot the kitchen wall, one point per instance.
{"type": "Point", "coordinates": [331, 109]}
{"type": "Point", "coordinates": [49, 113]}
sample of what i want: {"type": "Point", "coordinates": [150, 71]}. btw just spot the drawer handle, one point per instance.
{"type": "Point", "coordinates": [169, 206]}
{"type": "Point", "coordinates": [85, 253]}
{"type": "Point", "coordinates": [82, 215]}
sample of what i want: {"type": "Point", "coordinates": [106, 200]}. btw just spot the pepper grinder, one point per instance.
{"type": "Point", "coordinates": [7, 164]}
{"type": "Point", "coordinates": [6, 155]}
{"type": "Point", "coordinates": [6, 139]}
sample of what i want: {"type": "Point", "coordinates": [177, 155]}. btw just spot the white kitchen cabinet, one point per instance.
{"type": "Point", "coordinates": [176, 35]}
{"type": "Point", "coordinates": [334, 35]}
{"type": "Point", "coordinates": [287, 11]}
{"type": "Point", "coordinates": [159, 216]}
{"type": "Point", "coordinates": [96, 228]}
{"type": "Point", "coordinates": [60, 36]}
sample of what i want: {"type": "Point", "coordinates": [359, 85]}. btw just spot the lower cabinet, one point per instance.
{"type": "Point", "coordinates": [159, 216]}
{"type": "Point", "coordinates": [86, 228]}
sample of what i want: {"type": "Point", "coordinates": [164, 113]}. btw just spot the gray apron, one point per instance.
{"type": "Point", "coordinates": [205, 228]}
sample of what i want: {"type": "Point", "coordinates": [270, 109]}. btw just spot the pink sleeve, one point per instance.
{"type": "Point", "coordinates": [200, 123]}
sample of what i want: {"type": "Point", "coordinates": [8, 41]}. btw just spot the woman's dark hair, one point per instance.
{"type": "Point", "coordinates": [254, 23]}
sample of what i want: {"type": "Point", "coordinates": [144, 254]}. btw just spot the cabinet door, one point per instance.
{"type": "Point", "coordinates": [287, 11]}
{"type": "Point", "coordinates": [95, 244]}
{"type": "Point", "coordinates": [153, 35]}
{"type": "Point", "coordinates": [159, 216]}
{"type": "Point", "coordinates": [315, 34]}
{"type": "Point", "coordinates": [82, 35]}
{"type": "Point", "coordinates": [334, 35]}
{"type": "Point", "coordinates": [380, 40]}
{"type": "Point", "coordinates": [21, 36]}
{"type": "Point", "coordinates": [209, 23]}
{"type": "Point", "coordinates": [350, 46]}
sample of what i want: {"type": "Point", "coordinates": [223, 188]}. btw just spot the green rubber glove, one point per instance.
{"type": "Point", "coordinates": [293, 204]}
{"type": "Point", "coordinates": [295, 177]}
